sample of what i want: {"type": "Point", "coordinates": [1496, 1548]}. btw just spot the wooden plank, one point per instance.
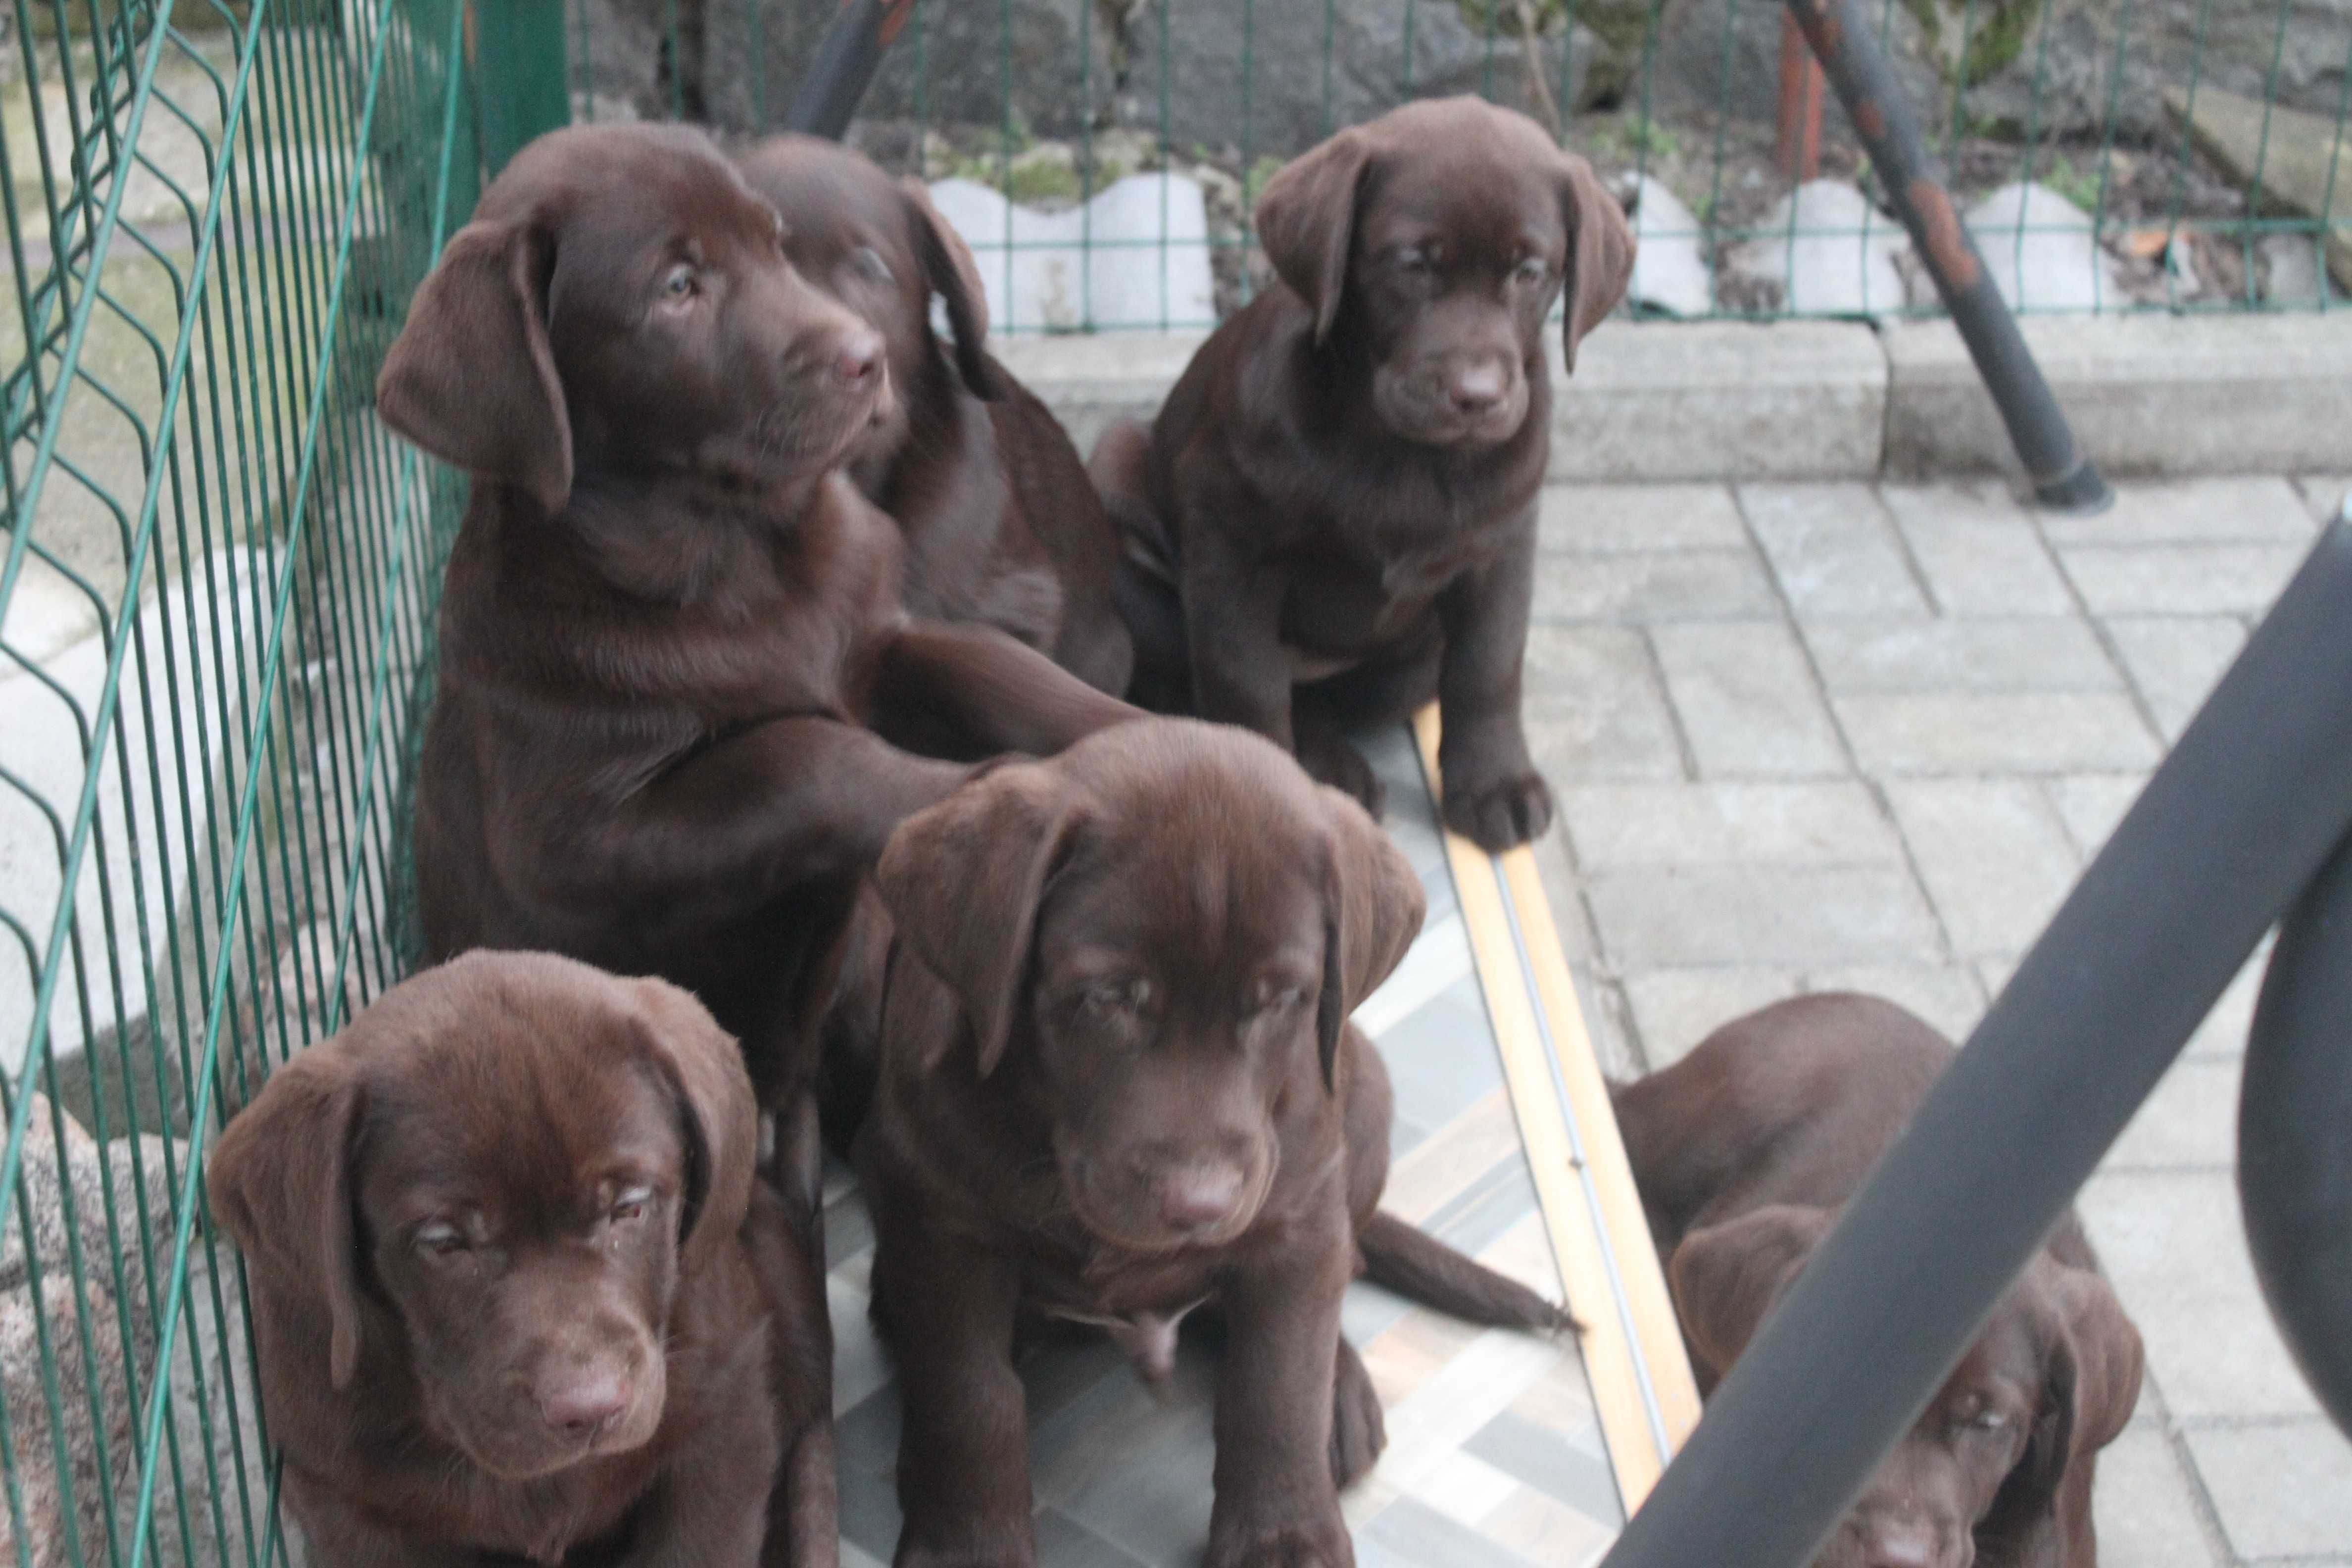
{"type": "Point", "coordinates": [1642, 1386]}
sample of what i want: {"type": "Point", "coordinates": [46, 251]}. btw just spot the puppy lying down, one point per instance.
{"type": "Point", "coordinates": [1746, 1150]}
{"type": "Point", "coordinates": [1118, 1084]}
{"type": "Point", "coordinates": [517, 1293]}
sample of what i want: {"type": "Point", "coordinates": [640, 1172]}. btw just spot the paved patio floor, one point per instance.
{"type": "Point", "coordinates": [1851, 736]}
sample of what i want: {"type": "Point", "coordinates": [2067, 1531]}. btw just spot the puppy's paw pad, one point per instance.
{"type": "Point", "coordinates": [1495, 817]}
{"type": "Point", "coordinates": [1358, 1429]}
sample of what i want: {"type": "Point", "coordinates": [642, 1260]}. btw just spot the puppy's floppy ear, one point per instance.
{"type": "Point", "coordinates": [279, 1181]}
{"type": "Point", "coordinates": [1372, 906]}
{"type": "Point", "coordinates": [471, 378]}
{"type": "Point", "coordinates": [1307, 221]}
{"type": "Point", "coordinates": [962, 881]}
{"type": "Point", "coordinates": [2090, 1384]}
{"type": "Point", "coordinates": [954, 276]}
{"type": "Point", "coordinates": [704, 1068]}
{"type": "Point", "coordinates": [1599, 252]}
{"type": "Point", "coordinates": [1726, 1278]}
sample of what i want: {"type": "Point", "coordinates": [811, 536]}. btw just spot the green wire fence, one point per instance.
{"type": "Point", "coordinates": [218, 573]}
{"type": "Point", "coordinates": [2182, 156]}
{"type": "Point", "coordinates": [216, 584]}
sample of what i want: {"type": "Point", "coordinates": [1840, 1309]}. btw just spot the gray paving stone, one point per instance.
{"type": "Point", "coordinates": [2181, 579]}
{"type": "Point", "coordinates": [2191, 1119]}
{"type": "Point", "coordinates": [1832, 550]}
{"type": "Point", "coordinates": [1992, 853]}
{"type": "Point", "coordinates": [1604, 519]}
{"type": "Point", "coordinates": [1971, 732]}
{"type": "Point", "coordinates": [1760, 915]}
{"type": "Point", "coordinates": [2175, 660]}
{"type": "Point", "coordinates": [1653, 587]}
{"type": "Point", "coordinates": [2172, 1244]}
{"type": "Point", "coordinates": [2325, 494]}
{"type": "Point", "coordinates": [2040, 653]}
{"type": "Point", "coordinates": [1593, 705]}
{"type": "Point", "coordinates": [1747, 699]}
{"type": "Point", "coordinates": [2283, 1490]}
{"type": "Point", "coordinates": [2092, 803]}
{"type": "Point", "coordinates": [1827, 823]}
{"type": "Point", "coordinates": [2185, 511]}
{"type": "Point", "coordinates": [1946, 995]}
{"type": "Point", "coordinates": [1977, 550]}
{"type": "Point", "coordinates": [1674, 1009]}
{"type": "Point", "coordinates": [2141, 1505]}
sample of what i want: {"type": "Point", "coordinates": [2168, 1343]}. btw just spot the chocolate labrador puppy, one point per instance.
{"type": "Point", "coordinates": [1746, 1150]}
{"type": "Point", "coordinates": [672, 655]}
{"type": "Point", "coordinates": [1333, 518]}
{"type": "Point", "coordinates": [1002, 524]}
{"type": "Point", "coordinates": [1118, 1084]}
{"type": "Point", "coordinates": [517, 1293]}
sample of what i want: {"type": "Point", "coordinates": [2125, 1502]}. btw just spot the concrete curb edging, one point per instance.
{"type": "Point", "coordinates": [2149, 396]}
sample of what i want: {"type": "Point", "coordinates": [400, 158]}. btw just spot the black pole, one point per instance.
{"type": "Point", "coordinates": [2228, 832]}
{"type": "Point", "coordinates": [846, 58]}
{"type": "Point", "coordinates": [2295, 1136]}
{"type": "Point", "coordinates": [2063, 476]}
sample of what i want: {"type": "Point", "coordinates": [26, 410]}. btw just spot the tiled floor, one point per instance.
{"type": "Point", "coordinates": [1494, 1458]}
{"type": "Point", "coordinates": [1807, 737]}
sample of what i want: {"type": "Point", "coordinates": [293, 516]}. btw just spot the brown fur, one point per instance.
{"type": "Point", "coordinates": [515, 1286]}
{"type": "Point", "coordinates": [673, 662]}
{"type": "Point", "coordinates": [1118, 1081]}
{"type": "Point", "coordinates": [1332, 519]}
{"type": "Point", "coordinates": [1001, 524]}
{"type": "Point", "coordinates": [1745, 1151]}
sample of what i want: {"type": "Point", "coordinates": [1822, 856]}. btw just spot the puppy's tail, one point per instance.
{"type": "Point", "coordinates": [1421, 1267]}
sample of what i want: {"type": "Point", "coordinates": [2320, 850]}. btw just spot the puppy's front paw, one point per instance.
{"type": "Point", "coordinates": [1319, 1543]}
{"type": "Point", "coordinates": [1501, 813]}
{"type": "Point", "coordinates": [1329, 758]}
{"type": "Point", "coordinates": [1359, 1430]}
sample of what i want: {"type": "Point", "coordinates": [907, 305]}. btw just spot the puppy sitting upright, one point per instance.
{"type": "Point", "coordinates": [1746, 1150]}
{"type": "Point", "coordinates": [1001, 524]}
{"type": "Point", "coordinates": [1333, 518]}
{"type": "Point", "coordinates": [1118, 1083]}
{"type": "Point", "coordinates": [517, 1293]}
{"type": "Point", "coordinates": [672, 656]}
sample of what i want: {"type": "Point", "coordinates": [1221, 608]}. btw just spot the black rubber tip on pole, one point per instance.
{"type": "Point", "coordinates": [2081, 490]}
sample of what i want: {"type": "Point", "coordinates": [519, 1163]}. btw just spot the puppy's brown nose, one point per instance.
{"type": "Point", "coordinates": [1198, 1198]}
{"type": "Point", "coordinates": [585, 1404]}
{"type": "Point", "coordinates": [1478, 386]}
{"type": "Point", "coordinates": [858, 359]}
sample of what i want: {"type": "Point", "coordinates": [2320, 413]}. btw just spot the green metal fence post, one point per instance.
{"type": "Point", "coordinates": [519, 74]}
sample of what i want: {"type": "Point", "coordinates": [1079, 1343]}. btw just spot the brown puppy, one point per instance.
{"type": "Point", "coordinates": [1744, 1152]}
{"type": "Point", "coordinates": [516, 1291]}
{"type": "Point", "coordinates": [672, 654]}
{"type": "Point", "coordinates": [1333, 518]}
{"type": "Point", "coordinates": [1118, 1083]}
{"type": "Point", "coordinates": [1002, 524]}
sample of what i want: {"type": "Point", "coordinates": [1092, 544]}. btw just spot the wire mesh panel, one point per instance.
{"type": "Point", "coordinates": [215, 583]}
{"type": "Point", "coordinates": [2112, 154]}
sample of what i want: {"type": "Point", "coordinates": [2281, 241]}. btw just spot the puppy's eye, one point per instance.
{"type": "Point", "coordinates": [870, 264]}
{"type": "Point", "coordinates": [1531, 272]}
{"type": "Point", "coordinates": [439, 1238]}
{"type": "Point", "coordinates": [1275, 999]}
{"type": "Point", "coordinates": [679, 282]}
{"type": "Point", "coordinates": [1117, 997]}
{"type": "Point", "coordinates": [632, 1204]}
{"type": "Point", "coordinates": [1989, 1420]}
{"type": "Point", "coordinates": [1415, 261]}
